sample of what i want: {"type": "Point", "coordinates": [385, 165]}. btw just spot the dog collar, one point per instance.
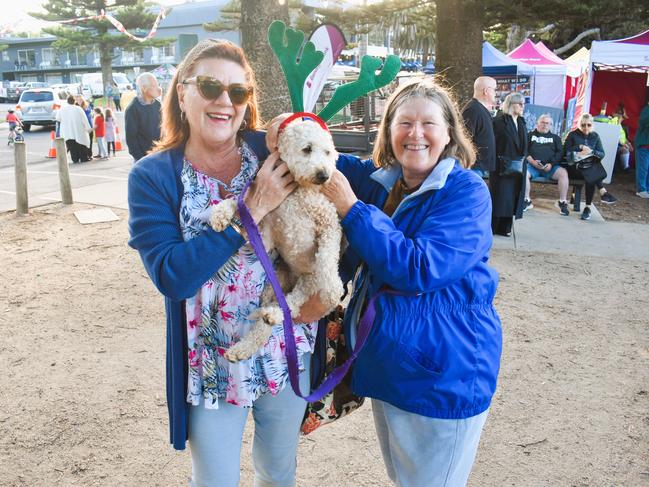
{"type": "Point", "coordinates": [297, 115]}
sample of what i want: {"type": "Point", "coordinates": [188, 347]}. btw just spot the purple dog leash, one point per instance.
{"type": "Point", "coordinates": [364, 327]}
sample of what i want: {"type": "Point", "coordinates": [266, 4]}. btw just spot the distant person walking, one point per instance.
{"type": "Point", "coordinates": [75, 130]}
{"type": "Point", "coordinates": [117, 98]}
{"type": "Point", "coordinates": [477, 120]}
{"type": "Point", "coordinates": [142, 117]}
{"type": "Point", "coordinates": [110, 122]}
{"type": "Point", "coordinates": [642, 154]}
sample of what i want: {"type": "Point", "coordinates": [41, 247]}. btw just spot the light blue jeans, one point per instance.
{"type": "Point", "coordinates": [215, 437]}
{"type": "Point", "coordinates": [642, 170]}
{"type": "Point", "coordinates": [420, 451]}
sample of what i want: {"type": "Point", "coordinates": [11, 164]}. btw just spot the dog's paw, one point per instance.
{"type": "Point", "coordinates": [222, 214]}
{"type": "Point", "coordinates": [270, 315]}
{"type": "Point", "coordinates": [238, 351]}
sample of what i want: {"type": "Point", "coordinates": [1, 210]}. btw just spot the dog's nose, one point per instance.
{"type": "Point", "coordinates": [320, 177]}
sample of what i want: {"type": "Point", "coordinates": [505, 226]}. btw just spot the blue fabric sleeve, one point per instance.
{"type": "Point", "coordinates": [131, 131]}
{"type": "Point", "coordinates": [177, 268]}
{"type": "Point", "coordinates": [598, 150]}
{"type": "Point", "coordinates": [454, 236]}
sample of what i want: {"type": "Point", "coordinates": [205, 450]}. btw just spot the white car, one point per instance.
{"type": "Point", "coordinates": [93, 82]}
{"type": "Point", "coordinates": [38, 106]}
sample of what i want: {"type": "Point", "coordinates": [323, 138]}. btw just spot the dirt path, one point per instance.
{"type": "Point", "coordinates": [82, 394]}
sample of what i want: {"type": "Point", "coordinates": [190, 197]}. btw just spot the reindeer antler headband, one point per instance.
{"type": "Point", "coordinates": [287, 43]}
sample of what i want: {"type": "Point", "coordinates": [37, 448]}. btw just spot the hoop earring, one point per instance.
{"type": "Point", "coordinates": [183, 117]}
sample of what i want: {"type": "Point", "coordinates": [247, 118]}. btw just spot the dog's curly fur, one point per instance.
{"type": "Point", "coordinates": [304, 231]}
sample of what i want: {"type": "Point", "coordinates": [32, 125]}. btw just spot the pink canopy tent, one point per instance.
{"type": "Point", "coordinates": [550, 73]}
{"type": "Point", "coordinates": [618, 73]}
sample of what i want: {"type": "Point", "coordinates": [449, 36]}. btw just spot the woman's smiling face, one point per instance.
{"type": "Point", "coordinates": [418, 136]}
{"type": "Point", "coordinates": [213, 122]}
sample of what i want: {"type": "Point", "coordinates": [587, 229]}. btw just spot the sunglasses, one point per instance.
{"type": "Point", "coordinates": [211, 89]}
{"type": "Point", "coordinates": [586, 124]}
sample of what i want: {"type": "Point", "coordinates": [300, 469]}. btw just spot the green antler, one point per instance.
{"type": "Point", "coordinates": [286, 44]}
{"type": "Point", "coordinates": [367, 81]}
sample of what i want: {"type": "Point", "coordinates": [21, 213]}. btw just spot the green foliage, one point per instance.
{"type": "Point", "coordinates": [230, 18]}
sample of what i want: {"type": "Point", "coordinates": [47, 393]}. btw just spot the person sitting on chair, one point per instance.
{"type": "Point", "coordinates": [580, 143]}
{"type": "Point", "coordinates": [545, 153]}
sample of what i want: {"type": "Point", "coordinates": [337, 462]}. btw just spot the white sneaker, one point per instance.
{"type": "Point", "coordinates": [643, 194]}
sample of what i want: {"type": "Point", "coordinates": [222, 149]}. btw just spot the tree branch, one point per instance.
{"type": "Point", "coordinates": [572, 43]}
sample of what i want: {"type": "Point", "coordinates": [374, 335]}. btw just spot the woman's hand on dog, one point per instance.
{"type": "Point", "coordinates": [340, 193]}
{"type": "Point", "coordinates": [311, 310]}
{"type": "Point", "coordinates": [272, 185]}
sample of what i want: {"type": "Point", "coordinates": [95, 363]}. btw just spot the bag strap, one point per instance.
{"type": "Point", "coordinates": [364, 327]}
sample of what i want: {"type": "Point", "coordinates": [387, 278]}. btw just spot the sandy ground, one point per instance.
{"type": "Point", "coordinates": [82, 354]}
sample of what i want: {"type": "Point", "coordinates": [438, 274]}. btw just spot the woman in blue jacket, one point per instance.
{"type": "Point", "coordinates": [419, 224]}
{"type": "Point", "coordinates": [212, 281]}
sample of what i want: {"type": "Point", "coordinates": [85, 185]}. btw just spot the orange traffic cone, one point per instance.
{"type": "Point", "coordinates": [52, 152]}
{"type": "Point", "coordinates": [118, 139]}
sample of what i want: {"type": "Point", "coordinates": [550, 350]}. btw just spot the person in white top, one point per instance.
{"type": "Point", "coordinates": [75, 130]}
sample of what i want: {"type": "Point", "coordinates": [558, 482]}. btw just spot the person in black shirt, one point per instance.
{"type": "Point", "coordinates": [142, 117]}
{"type": "Point", "coordinates": [543, 161]}
{"type": "Point", "coordinates": [477, 120]}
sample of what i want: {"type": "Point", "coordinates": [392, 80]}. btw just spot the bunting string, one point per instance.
{"type": "Point", "coordinates": [118, 25]}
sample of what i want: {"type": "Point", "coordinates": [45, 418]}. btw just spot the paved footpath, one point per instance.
{"type": "Point", "coordinates": [543, 229]}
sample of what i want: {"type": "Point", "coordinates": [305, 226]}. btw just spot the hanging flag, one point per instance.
{"type": "Point", "coordinates": [329, 39]}
{"type": "Point", "coordinates": [118, 25]}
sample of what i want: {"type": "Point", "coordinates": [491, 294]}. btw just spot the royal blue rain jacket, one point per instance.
{"type": "Point", "coordinates": [177, 268]}
{"type": "Point", "coordinates": [435, 350]}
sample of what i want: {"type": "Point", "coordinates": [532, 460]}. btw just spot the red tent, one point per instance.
{"type": "Point", "coordinates": [619, 74]}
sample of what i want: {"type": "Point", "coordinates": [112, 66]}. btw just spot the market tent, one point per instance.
{"type": "Point", "coordinates": [549, 74]}
{"type": "Point", "coordinates": [580, 59]}
{"type": "Point", "coordinates": [496, 63]}
{"type": "Point", "coordinates": [164, 72]}
{"type": "Point", "coordinates": [618, 71]}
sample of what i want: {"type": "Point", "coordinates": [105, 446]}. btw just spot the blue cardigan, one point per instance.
{"type": "Point", "coordinates": [177, 268]}
{"type": "Point", "coordinates": [436, 350]}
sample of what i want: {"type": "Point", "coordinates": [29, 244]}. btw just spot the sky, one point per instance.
{"type": "Point", "coordinates": [17, 16]}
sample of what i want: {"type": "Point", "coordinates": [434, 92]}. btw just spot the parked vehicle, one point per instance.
{"type": "Point", "coordinates": [93, 82]}
{"type": "Point", "coordinates": [38, 107]}
{"type": "Point", "coordinates": [14, 90]}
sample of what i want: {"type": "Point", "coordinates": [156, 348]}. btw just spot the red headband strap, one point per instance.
{"type": "Point", "coordinates": [296, 115]}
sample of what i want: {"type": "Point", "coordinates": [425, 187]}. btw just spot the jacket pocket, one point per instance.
{"type": "Point", "coordinates": [417, 362]}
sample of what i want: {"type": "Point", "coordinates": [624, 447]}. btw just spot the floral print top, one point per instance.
{"type": "Point", "coordinates": [218, 315]}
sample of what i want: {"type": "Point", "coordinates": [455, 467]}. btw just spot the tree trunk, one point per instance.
{"type": "Point", "coordinates": [256, 16]}
{"type": "Point", "coordinates": [459, 45]}
{"type": "Point", "coordinates": [106, 63]}
{"type": "Point", "coordinates": [425, 52]}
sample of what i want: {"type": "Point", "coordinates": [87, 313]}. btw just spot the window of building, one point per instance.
{"type": "Point", "coordinates": [5, 56]}
{"type": "Point", "coordinates": [72, 57]}
{"type": "Point", "coordinates": [168, 53]}
{"type": "Point", "coordinates": [48, 57]}
{"type": "Point", "coordinates": [27, 58]}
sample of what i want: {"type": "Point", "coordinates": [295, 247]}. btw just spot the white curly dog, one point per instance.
{"type": "Point", "coordinates": [304, 231]}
